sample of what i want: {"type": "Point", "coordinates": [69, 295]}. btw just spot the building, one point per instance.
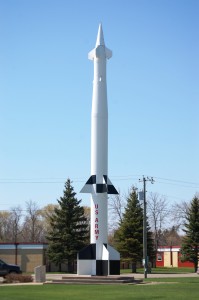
{"type": "Point", "coordinates": [31, 255]}
{"type": "Point", "coordinates": [26, 255]}
{"type": "Point", "coordinates": [169, 256]}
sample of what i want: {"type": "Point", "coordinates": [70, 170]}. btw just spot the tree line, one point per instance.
{"type": "Point", "coordinates": [65, 226]}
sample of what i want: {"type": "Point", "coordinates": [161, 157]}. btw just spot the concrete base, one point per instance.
{"type": "Point", "coordinates": [93, 280]}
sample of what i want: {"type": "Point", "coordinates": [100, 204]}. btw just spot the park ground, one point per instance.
{"type": "Point", "coordinates": [160, 285]}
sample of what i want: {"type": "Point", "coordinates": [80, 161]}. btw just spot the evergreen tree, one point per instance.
{"type": "Point", "coordinates": [151, 252]}
{"type": "Point", "coordinates": [190, 245]}
{"type": "Point", "coordinates": [129, 236]}
{"type": "Point", "coordinates": [69, 229]}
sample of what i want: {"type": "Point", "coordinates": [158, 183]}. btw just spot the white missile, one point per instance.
{"type": "Point", "coordinates": [105, 260]}
{"type": "Point", "coordinates": [99, 182]}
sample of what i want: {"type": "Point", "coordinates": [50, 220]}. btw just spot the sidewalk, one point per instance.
{"type": "Point", "coordinates": [50, 277]}
{"type": "Point", "coordinates": [164, 275]}
{"type": "Point", "coordinates": [135, 275]}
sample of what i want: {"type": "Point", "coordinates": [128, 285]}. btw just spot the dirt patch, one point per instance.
{"type": "Point", "coordinates": [159, 282]}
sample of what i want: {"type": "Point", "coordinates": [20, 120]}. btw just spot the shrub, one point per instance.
{"type": "Point", "coordinates": [16, 278]}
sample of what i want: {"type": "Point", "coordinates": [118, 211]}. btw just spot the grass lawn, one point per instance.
{"type": "Point", "coordinates": [169, 289]}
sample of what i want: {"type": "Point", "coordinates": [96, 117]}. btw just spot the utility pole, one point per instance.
{"type": "Point", "coordinates": [145, 257]}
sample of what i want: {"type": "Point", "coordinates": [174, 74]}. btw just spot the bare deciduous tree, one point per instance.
{"type": "Point", "coordinates": [5, 218]}
{"type": "Point", "coordinates": [172, 237]}
{"type": "Point", "coordinates": [157, 209]}
{"type": "Point", "coordinates": [179, 213]}
{"type": "Point", "coordinates": [116, 206]}
{"type": "Point", "coordinates": [15, 222]}
{"type": "Point", "coordinates": [45, 217]}
{"type": "Point", "coordinates": [32, 228]}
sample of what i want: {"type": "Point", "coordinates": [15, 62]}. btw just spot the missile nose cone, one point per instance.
{"type": "Point", "coordinates": [100, 37]}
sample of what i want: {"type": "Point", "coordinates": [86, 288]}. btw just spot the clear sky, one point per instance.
{"type": "Point", "coordinates": [46, 91]}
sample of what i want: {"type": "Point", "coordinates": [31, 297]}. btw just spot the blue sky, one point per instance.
{"type": "Point", "coordinates": [46, 92]}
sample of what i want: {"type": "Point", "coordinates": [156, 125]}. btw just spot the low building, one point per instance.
{"type": "Point", "coordinates": [170, 257]}
{"type": "Point", "coordinates": [30, 255]}
{"type": "Point", "coordinates": [26, 255]}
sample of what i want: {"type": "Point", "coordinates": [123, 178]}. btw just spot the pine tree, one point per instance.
{"type": "Point", "coordinates": [190, 245]}
{"type": "Point", "coordinates": [69, 229]}
{"type": "Point", "coordinates": [129, 236]}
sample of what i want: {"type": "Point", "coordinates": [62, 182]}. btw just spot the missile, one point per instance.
{"type": "Point", "coordinates": [99, 258]}
{"type": "Point", "coordinates": [99, 181]}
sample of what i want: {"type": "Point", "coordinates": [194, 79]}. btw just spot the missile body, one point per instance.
{"type": "Point", "coordinates": [99, 185]}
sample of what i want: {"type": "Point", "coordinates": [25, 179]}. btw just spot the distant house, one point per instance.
{"type": "Point", "coordinates": [170, 257]}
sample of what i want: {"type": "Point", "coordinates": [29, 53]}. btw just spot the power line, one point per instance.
{"type": "Point", "coordinates": [61, 180]}
{"type": "Point", "coordinates": [178, 181]}
{"type": "Point", "coordinates": [179, 184]}
{"type": "Point", "coordinates": [116, 177]}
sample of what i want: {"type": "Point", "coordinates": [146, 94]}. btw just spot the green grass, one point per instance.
{"type": "Point", "coordinates": [165, 289]}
